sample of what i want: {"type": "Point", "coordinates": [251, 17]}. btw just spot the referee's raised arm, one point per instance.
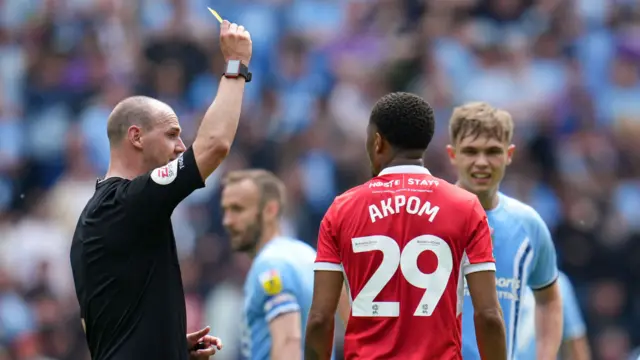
{"type": "Point", "coordinates": [159, 190]}
{"type": "Point", "coordinates": [123, 254]}
{"type": "Point", "coordinates": [218, 128]}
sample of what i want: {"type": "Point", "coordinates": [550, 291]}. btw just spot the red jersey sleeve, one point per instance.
{"type": "Point", "coordinates": [479, 249]}
{"type": "Point", "coordinates": [328, 256]}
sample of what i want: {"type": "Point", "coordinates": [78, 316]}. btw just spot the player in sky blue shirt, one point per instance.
{"type": "Point", "coordinates": [525, 256]}
{"type": "Point", "coordinates": [279, 286]}
{"type": "Point", "coordinates": [279, 282]}
{"type": "Point", "coordinates": [574, 333]}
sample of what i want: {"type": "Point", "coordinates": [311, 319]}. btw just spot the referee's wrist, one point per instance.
{"type": "Point", "coordinates": [235, 78]}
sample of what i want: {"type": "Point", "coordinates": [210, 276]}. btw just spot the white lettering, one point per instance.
{"type": "Point", "coordinates": [393, 205]}
{"type": "Point", "coordinates": [508, 288]}
{"type": "Point", "coordinates": [413, 205]}
{"type": "Point", "coordinates": [374, 213]}
{"type": "Point", "coordinates": [386, 207]}
{"type": "Point", "coordinates": [401, 200]}
{"type": "Point", "coordinates": [388, 184]}
{"type": "Point", "coordinates": [427, 209]}
{"type": "Point", "coordinates": [508, 283]}
{"type": "Point", "coordinates": [423, 182]}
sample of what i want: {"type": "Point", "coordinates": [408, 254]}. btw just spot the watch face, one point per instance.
{"type": "Point", "coordinates": [233, 67]}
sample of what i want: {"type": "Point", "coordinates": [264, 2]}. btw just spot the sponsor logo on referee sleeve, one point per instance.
{"type": "Point", "coordinates": [271, 282]}
{"type": "Point", "coordinates": [165, 175]}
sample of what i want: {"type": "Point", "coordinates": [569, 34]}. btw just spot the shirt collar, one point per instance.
{"type": "Point", "coordinates": [405, 169]}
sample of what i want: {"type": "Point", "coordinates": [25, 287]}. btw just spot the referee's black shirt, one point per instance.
{"type": "Point", "coordinates": [125, 266]}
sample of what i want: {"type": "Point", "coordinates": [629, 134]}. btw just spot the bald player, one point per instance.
{"type": "Point", "coordinates": [123, 255]}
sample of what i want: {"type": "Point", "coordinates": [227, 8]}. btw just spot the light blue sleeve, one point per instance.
{"type": "Point", "coordinates": [545, 268]}
{"type": "Point", "coordinates": [275, 286]}
{"type": "Point", "coordinates": [574, 326]}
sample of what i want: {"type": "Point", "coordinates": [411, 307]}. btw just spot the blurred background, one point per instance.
{"type": "Point", "coordinates": [568, 70]}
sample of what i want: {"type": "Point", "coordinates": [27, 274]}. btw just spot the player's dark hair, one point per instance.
{"type": "Point", "coordinates": [405, 120]}
{"type": "Point", "coordinates": [269, 185]}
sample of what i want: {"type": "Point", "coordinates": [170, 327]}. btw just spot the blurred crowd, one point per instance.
{"type": "Point", "coordinates": [568, 71]}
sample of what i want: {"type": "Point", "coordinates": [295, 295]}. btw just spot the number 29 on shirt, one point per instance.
{"type": "Point", "coordinates": [434, 284]}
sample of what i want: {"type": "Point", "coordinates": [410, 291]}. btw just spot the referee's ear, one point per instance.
{"type": "Point", "coordinates": [134, 134]}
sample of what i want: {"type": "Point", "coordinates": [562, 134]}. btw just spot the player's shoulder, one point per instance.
{"type": "Point", "coordinates": [518, 209]}
{"type": "Point", "coordinates": [342, 201]}
{"type": "Point", "coordinates": [525, 216]}
{"type": "Point", "coordinates": [279, 263]}
{"type": "Point", "coordinates": [455, 197]}
{"type": "Point", "coordinates": [283, 251]}
{"type": "Point", "coordinates": [455, 193]}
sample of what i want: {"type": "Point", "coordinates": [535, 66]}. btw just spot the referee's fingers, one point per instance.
{"type": "Point", "coordinates": [210, 341]}
{"type": "Point", "coordinates": [215, 342]}
{"type": "Point", "coordinates": [206, 352]}
{"type": "Point", "coordinates": [194, 337]}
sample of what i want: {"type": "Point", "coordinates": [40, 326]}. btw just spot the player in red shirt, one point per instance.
{"type": "Point", "coordinates": [403, 242]}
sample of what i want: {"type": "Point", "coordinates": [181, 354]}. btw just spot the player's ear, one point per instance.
{"type": "Point", "coordinates": [270, 211]}
{"type": "Point", "coordinates": [377, 143]}
{"type": "Point", "coordinates": [451, 151]}
{"type": "Point", "coordinates": [510, 150]}
{"type": "Point", "coordinates": [134, 135]}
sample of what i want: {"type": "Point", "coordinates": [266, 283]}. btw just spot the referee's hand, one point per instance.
{"type": "Point", "coordinates": [208, 344]}
{"type": "Point", "coordinates": [235, 42]}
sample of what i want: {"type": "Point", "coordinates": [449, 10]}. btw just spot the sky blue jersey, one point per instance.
{"type": "Point", "coordinates": [280, 281]}
{"type": "Point", "coordinates": [573, 323]}
{"type": "Point", "coordinates": [525, 257]}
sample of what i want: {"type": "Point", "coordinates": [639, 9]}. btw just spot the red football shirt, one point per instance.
{"type": "Point", "coordinates": [405, 240]}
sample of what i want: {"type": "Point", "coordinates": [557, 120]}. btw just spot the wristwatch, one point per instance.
{"type": "Point", "coordinates": [236, 68]}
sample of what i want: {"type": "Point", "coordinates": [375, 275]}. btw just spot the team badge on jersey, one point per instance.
{"type": "Point", "coordinates": [271, 282]}
{"type": "Point", "coordinates": [165, 175]}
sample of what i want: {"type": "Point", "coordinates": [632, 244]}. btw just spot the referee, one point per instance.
{"type": "Point", "coordinates": [123, 255]}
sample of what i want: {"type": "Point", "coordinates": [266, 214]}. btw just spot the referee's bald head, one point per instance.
{"type": "Point", "coordinates": [141, 111]}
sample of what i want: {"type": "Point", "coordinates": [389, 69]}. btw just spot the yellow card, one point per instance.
{"type": "Point", "coordinates": [214, 13]}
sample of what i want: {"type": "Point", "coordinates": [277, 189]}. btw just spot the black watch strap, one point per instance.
{"type": "Point", "coordinates": [245, 73]}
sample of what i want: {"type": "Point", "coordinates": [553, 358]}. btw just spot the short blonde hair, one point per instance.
{"type": "Point", "coordinates": [270, 187]}
{"type": "Point", "coordinates": [479, 118]}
